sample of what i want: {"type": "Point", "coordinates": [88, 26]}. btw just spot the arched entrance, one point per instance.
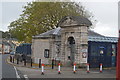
{"type": "Point", "coordinates": [71, 44]}
{"type": "Point", "coordinates": [74, 39]}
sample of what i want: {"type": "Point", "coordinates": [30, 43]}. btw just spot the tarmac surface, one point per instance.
{"type": "Point", "coordinates": [8, 70]}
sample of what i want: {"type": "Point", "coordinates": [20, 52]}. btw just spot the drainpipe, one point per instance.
{"type": "Point", "coordinates": [118, 59]}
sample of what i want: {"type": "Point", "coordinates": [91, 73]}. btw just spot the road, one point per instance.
{"type": "Point", "coordinates": [8, 71]}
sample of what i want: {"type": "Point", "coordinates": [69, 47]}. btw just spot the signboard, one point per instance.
{"type": "Point", "coordinates": [84, 53]}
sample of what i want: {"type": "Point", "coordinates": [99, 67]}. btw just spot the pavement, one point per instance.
{"type": "Point", "coordinates": [66, 72]}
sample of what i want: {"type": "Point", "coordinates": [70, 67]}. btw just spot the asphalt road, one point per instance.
{"type": "Point", "coordinates": [8, 71]}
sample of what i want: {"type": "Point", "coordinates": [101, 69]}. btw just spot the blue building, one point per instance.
{"type": "Point", "coordinates": [102, 49]}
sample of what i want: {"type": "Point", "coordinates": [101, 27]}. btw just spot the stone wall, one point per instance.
{"type": "Point", "coordinates": [38, 47]}
{"type": "Point", "coordinates": [80, 34]}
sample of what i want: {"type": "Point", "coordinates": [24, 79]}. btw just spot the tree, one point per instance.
{"type": "Point", "coordinates": [38, 17]}
{"type": "Point", "coordinates": [5, 34]}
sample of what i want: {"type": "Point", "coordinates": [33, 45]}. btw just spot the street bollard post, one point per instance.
{"type": "Point", "coordinates": [59, 69]}
{"type": "Point", "coordinates": [42, 69]}
{"type": "Point", "coordinates": [101, 67]}
{"type": "Point", "coordinates": [17, 60]}
{"type": "Point", "coordinates": [25, 62]}
{"type": "Point", "coordinates": [88, 66]}
{"type": "Point", "coordinates": [52, 63]}
{"type": "Point", "coordinates": [13, 59]}
{"type": "Point", "coordinates": [31, 62]}
{"type": "Point", "coordinates": [55, 61]}
{"type": "Point", "coordinates": [74, 70]}
{"type": "Point", "coordinates": [39, 63]}
{"type": "Point", "coordinates": [10, 59]}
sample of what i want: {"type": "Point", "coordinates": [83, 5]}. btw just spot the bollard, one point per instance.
{"type": "Point", "coordinates": [13, 59]}
{"type": "Point", "coordinates": [55, 61]}
{"type": "Point", "coordinates": [74, 71]}
{"type": "Point", "coordinates": [10, 59]}
{"type": "Point", "coordinates": [25, 62]}
{"type": "Point", "coordinates": [101, 68]}
{"type": "Point", "coordinates": [52, 63]}
{"type": "Point", "coordinates": [39, 63]}
{"type": "Point", "coordinates": [88, 70]}
{"type": "Point", "coordinates": [31, 62]}
{"type": "Point", "coordinates": [42, 69]}
{"type": "Point", "coordinates": [59, 69]}
{"type": "Point", "coordinates": [17, 60]}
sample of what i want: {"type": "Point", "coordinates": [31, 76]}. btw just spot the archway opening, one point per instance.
{"type": "Point", "coordinates": [71, 44]}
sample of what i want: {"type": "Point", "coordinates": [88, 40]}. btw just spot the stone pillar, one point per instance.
{"type": "Point", "coordinates": [62, 57]}
{"type": "Point", "coordinates": [83, 45]}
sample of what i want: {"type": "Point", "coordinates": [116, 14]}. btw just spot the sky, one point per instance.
{"type": "Point", "coordinates": [105, 12]}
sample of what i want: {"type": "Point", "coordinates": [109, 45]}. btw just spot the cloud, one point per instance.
{"type": "Point", "coordinates": [106, 29]}
{"type": "Point", "coordinates": [4, 28]}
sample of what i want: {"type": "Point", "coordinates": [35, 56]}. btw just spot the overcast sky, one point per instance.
{"type": "Point", "coordinates": [106, 14]}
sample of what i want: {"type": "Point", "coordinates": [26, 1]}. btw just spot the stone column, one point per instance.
{"type": "Point", "coordinates": [84, 45]}
{"type": "Point", "coordinates": [62, 47]}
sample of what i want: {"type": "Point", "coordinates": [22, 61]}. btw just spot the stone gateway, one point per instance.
{"type": "Point", "coordinates": [68, 43]}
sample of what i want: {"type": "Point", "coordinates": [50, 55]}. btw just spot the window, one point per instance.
{"type": "Point", "coordinates": [113, 50]}
{"type": "Point", "coordinates": [46, 53]}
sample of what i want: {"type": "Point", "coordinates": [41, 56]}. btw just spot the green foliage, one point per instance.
{"type": "Point", "coordinates": [5, 34]}
{"type": "Point", "coordinates": [39, 17]}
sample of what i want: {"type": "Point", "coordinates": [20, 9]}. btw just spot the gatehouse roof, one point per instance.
{"type": "Point", "coordinates": [74, 20]}
{"type": "Point", "coordinates": [92, 36]}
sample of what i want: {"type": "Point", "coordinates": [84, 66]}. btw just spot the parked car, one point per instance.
{"type": "Point", "coordinates": [12, 53]}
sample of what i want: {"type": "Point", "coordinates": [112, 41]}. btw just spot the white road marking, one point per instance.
{"type": "Point", "coordinates": [16, 72]}
{"type": "Point", "coordinates": [25, 76]}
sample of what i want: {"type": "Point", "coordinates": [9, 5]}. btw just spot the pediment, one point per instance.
{"type": "Point", "coordinates": [69, 22]}
{"type": "Point", "coordinates": [73, 21]}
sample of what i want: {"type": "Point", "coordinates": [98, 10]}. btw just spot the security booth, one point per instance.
{"type": "Point", "coordinates": [102, 50]}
